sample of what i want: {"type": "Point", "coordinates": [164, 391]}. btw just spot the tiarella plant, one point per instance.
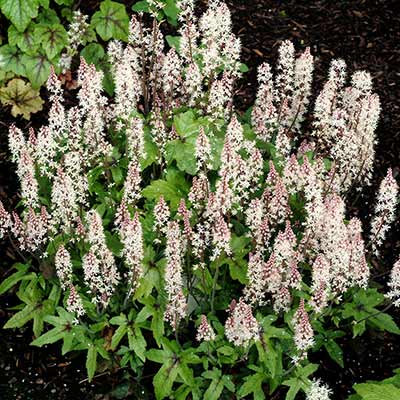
{"type": "Point", "coordinates": [161, 227]}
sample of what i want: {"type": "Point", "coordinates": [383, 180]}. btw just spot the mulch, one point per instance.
{"type": "Point", "coordinates": [366, 34]}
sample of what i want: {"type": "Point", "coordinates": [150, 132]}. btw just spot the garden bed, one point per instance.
{"type": "Point", "coordinates": [366, 36]}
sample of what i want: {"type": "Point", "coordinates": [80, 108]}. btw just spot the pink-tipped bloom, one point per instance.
{"type": "Point", "coordinates": [63, 267]}
{"type": "Point", "coordinates": [203, 150]}
{"type": "Point", "coordinates": [241, 327]}
{"type": "Point", "coordinates": [74, 302]}
{"type": "Point", "coordinates": [384, 210]}
{"type": "Point", "coordinates": [132, 240]}
{"type": "Point", "coordinates": [394, 284]}
{"type": "Point", "coordinates": [205, 332]}
{"type": "Point", "coordinates": [303, 332]}
{"type": "Point", "coordinates": [161, 215]}
{"type": "Point", "coordinates": [132, 184]}
{"type": "Point", "coordinates": [176, 307]}
{"type": "Point", "coordinates": [5, 220]}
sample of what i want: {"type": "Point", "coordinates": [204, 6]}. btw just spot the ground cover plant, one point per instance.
{"type": "Point", "coordinates": [38, 34]}
{"type": "Point", "coordinates": [162, 228]}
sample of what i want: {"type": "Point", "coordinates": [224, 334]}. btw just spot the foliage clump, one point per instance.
{"type": "Point", "coordinates": [214, 244]}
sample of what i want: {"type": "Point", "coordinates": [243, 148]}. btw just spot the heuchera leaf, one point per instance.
{"type": "Point", "coordinates": [26, 41]}
{"type": "Point", "coordinates": [11, 60]}
{"type": "Point", "coordinates": [112, 21]}
{"type": "Point", "coordinates": [52, 37]}
{"type": "Point", "coordinates": [21, 97]}
{"type": "Point", "coordinates": [20, 12]}
{"type": "Point", "coordinates": [37, 68]}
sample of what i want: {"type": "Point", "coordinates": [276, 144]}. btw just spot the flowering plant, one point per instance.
{"type": "Point", "coordinates": [163, 227]}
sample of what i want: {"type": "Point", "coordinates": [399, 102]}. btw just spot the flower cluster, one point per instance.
{"type": "Point", "coordinates": [241, 327]}
{"type": "Point", "coordinates": [384, 210]}
{"type": "Point", "coordinates": [167, 198]}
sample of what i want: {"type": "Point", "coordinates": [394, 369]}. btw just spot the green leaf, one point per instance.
{"type": "Point", "coordinates": [137, 343]}
{"type": "Point", "coordinates": [21, 318]}
{"type": "Point", "coordinates": [157, 326]}
{"type": "Point", "coordinates": [151, 150]}
{"type": "Point", "coordinates": [20, 275]}
{"type": "Point", "coordinates": [171, 11]}
{"type": "Point", "coordinates": [26, 41]}
{"type": "Point", "coordinates": [183, 154]}
{"type": "Point", "coordinates": [334, 351]}
{"type": "Point", "coordinates": [243, 68]}
{"type": "Point", "coordinates": [93, 53]}
{"type": "Point", "coordinates": [37, 68]}
{"type": "Point", "coordinates": [53, 38]}
{"type": "Point", "coordinates": [20, 12]}
{"type": "Point", "coordinates": [170, 191]}
{"type": "Point", "coordinates": [11, 60]}
{"type": "Point", "coordinates": [252, 384]}
{"type": "Point", "coordinates": [48, 17]}
{"type": "Point", "coordinates": [214, 390]}
{"type": "Point", "coordinates": [158, 356]}
{"type": "Point", "coordinates": [65, 2]}
{"type": "Point", "coordinates": [118, 335]}
{"type": "Point", "coordinates": [118, 320]}
{"type": "Point", "coordinates": [186, 125]}
{"type": "Point", "coordinates": [173, 41]}
{"type": "Point", "coordinates": [91, 361]}
{"type": "Point", "coordinates": [384, 322]}
{"type": "Point", "coordinates": [164, 379]}
{"type": "Point", "coordinates": [370, 391]}
{"type": "Point", "coordinates": [49, 337]}
{"type": "Point", "coordinates": [358, 328]}
{"type": "Point", "coordinates": [112, 21]}
{"type": "Point", "coordinates": [141, 6]}
{"type": "Point", "coordinates": [294, 387]}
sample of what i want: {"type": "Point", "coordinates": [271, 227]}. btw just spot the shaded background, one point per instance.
{"type": "Point", "coordinates": [366, 34]}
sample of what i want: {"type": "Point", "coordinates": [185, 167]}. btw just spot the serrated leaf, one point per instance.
{"type": "Point", "coordinates": [334, 351]}
{"type": "Point", "coordinates": [21, 318]}
{"type": "Point", "coordinates": [384, 322]}
{"type": "Point", "coordinates": [137, 343]}
{"type": "Point", "coordinates": [37, 68]}
{"type": "Point", "coordinates": [20, 12]}
{"type": "Point", "coordinates": [49, 337]}
{"type": "Point", "coordinates": [370, 391]}
{"type": "Point", "coordinates": [184, 155]}
{"type": "Point", "coordinates": [214, 390]}
{"type": "Point", "coordinates": [186, 125]}
{"type": "Point", "coordinates": [20, 275]}
{"type": "Point", "coordinates": [21, 97]}
{"type": "Point", "coordinates": [118, 320]}
{"type": "Point", "coordinates": [11, 59]}
{"type": "Point", "coordinates": [164, 379]}
{"type": "Point", "coordinates": [112, 21]}
{"type": "Point", "coordinates": [294, 387]}
{"type": "Point", "coordinates": [48, 17]}
{"type": "Point", "coordinates": [91, 361]}
{"type": "Point", "coordinates": [252, 384]}
{"type": "Point", "coordinates": [93, 53]}
{"type": "Point", "coordinates": [52, 37]}
{"type": "Point", "coordinates": [118, 335]}
{"type": "Point", "coordinates": [141, 6]}
{"type": "Point", "coordinates": [26, 41]}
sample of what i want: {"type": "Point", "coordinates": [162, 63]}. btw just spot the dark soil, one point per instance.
{"type": "Point", "coordinates": [366, 34]}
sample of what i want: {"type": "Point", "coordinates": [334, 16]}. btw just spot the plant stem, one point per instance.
{"type": "Point", "coordinates": [214, 288]}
